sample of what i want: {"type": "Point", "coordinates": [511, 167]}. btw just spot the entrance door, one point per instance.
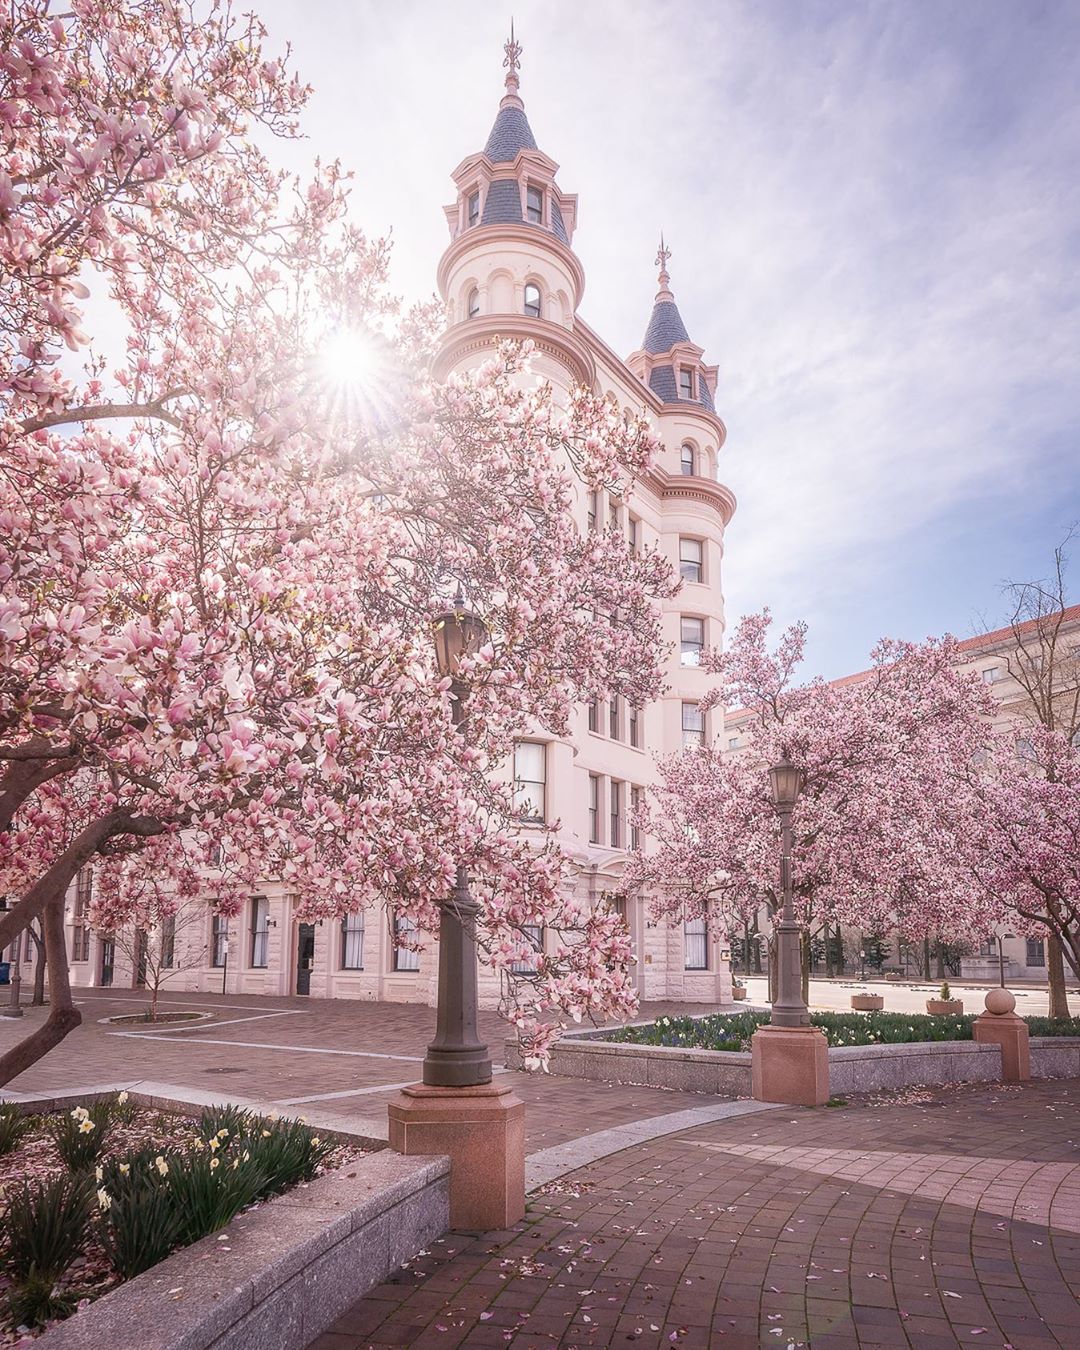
{"type": "Point", "coordinates": [305, 957]}
{"type": "Point", "coordinates": [108, 961]}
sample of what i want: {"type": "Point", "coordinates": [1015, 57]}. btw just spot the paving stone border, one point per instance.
{"type": "Point", "coordinates": [852, 1068]}
{"type": "Point", "coordinates": [279, 1275]}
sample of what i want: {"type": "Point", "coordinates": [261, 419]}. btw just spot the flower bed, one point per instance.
{"type": "Point", "coordinates": [94, 1196]}
{"type": "Point", "coordinates": [732, 1031]}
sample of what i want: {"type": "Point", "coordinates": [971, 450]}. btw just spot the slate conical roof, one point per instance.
{"type": "Point", "coordinates": [509, 134]}
{"type": "Point", "coordinates": [665, 328]}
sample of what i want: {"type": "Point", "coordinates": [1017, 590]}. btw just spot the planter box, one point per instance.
{"type": "Point", "coordinates": [867, 1003]}
{"type": "Point", "coordinates": [290, 1267]}
{"type": "Point", "coordinates": [738, 992]}
{"type": "Point", "coordinates": [944, 1007]}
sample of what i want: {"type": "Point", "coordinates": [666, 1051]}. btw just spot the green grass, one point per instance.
{"type": "Point", "coordinates": [732, 1031]}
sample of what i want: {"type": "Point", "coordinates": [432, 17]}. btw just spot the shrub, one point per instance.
{"type": "Point", "coordinates": [13, 1127]}
{"type": "Point", "coordinates": [80, 1135]}
{"type": "Point", "coordinates": [140, 1221]}
{"type": "Point", "coordinates": [45, 1223]}
{"type": "Point", "coordinates": [226, 1123]}
{"type": "Point", "coordinates": [208, 1191]}
{"type": "Point", "coordinates": [35, 1300]}
{"type": "Point", "coordinates": [287, 1151]}
{"type": "Point", "coordinates": [1053, 1026]}
{"type": "Point", "coordinates": [945, 993]}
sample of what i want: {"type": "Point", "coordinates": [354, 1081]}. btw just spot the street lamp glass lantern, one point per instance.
{"type": "Point", "coordinates": [458, 633]}
{"type": "Point", "coordinates": [785, 780]}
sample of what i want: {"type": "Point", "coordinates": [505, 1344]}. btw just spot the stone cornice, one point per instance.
{"type": "Point", "coordinates": [671, 487]}
{"type": "Point", "coordinates": [532, 236]}
{"type": "Point", "coordinates": [481, 333]}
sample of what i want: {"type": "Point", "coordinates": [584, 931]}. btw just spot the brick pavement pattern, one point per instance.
{"type": "Point", "coordinates": [289, 1052]}
{"type": "Point", "coordinates": [937, 1218]}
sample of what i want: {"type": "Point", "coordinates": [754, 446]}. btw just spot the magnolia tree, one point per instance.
{"type": "Point", "coordinates": [220, 562]}
{"type": "Point", "coordinates": [876, 832]}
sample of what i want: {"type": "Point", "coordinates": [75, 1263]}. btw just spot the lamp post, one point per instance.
{"type": "Point", "coordinates": [457, 1057]}
{"type": "Point", "coordinates": [14, 1008]}
{"type": "Point", "coordinates": [789, 1010]}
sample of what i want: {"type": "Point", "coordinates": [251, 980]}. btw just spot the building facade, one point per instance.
{"type": "Point", "coordinates": [510, 271]}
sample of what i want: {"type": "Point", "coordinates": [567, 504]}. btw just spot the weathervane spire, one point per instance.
{"type": "Point", "coordinates": [512, 62]}
{"type": "Point", "coordinates": [663, 253]}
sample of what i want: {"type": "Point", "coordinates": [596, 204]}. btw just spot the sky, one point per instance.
{"type": "Point", "coordinates": [874, 213]}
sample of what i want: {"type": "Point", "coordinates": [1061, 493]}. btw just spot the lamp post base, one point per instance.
{"type": "Point", "coordinates": [482, 1130]}
{"type": "Point", "coordinates": [790, 1065]}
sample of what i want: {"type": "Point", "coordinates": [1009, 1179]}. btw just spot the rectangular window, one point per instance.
{"type": "Point", "coordinates": [991, 675]}
{"type": "Point", "coordinates": [260, 930]}
{"type": "Point", "coordinates": [534, 205]}
{"type": "Point", "coordinates": [80, 937]}
{"type": "Point", "coordinates": [474, 208]}
{"type": "Point", "coordinates": [692, 640]}
{"type": "Point", "coordinates": [613, 719]}
{"type": "Point", "coordinates": [615, 802]}
{"type": "Point", "coordinates": [1036, 952]}
{"type": "Point", "coordinates": [404, 959]}
{"type": "Point", "coordinates": [733, 743]}
{"type": "Point", "coordinates": [594, 715]}
{"type": "Point", "coordinates": [635, 720]}
{"type": "Point", "coordinates": [637, 799]}
{"type": "Point", "coordinates": [219, 940]}
{"type": "Point", "coordinates": [530, 780]}
{"type": "Point", "coordinates": [594, 809]}
{"type": "Point", "coordinates": [591, 511]}
{"type": "Point", "coordinates": [693, 725]}
{"type": "Point", "coordinates": [613, 517]}
{"type": "Point", "coordinates": [697, 944]}
{"type": "Point", "coordinates": [533, 933]}
{"type": "Point", "coordinates": [633, 534]}
{"type": "Point", "coordinates": [686, 382]}
{"type": "Point", "coordinates": [690, 559]}
{"type": "Point", "coordinates": [168, 942]}
{"type": "Point", "coordinates": [352, 941]}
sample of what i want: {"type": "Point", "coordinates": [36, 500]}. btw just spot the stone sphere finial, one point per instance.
{"type": "Point", "coordinates": [999, 1002]}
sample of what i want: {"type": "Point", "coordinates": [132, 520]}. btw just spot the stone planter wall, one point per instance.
{"type": "Point", "coordinates": [945, 1007]}
{"type": "Point", "coordinates": [852, 1068]}
{"type": "Point", "coordinates": [867, 1003]}
{"type": "Point", "coordinates": [287, 1269]}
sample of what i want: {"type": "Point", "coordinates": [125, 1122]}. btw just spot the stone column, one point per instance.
{"type": "Point", "coordinates": [999, 1025]}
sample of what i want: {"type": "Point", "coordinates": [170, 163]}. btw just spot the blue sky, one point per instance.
{"type": "Point", "coordinates": [874, 210]}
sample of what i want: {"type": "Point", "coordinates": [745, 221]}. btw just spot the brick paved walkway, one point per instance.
{"type": "Point", "coordinates": [342, 1056]}
{"type": "Point", "coordinates": [942, 1218]}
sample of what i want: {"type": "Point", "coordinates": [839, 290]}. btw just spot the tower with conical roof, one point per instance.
{"type": "Point", "coordinates": [510, 271]}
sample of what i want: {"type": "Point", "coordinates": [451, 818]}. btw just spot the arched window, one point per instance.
{"type": "Point", "coordinates": [687, 460]}
{"type": "Point", "coordinates": [532, 300]}
{"type": "Point", "coordinates": [473, 303]}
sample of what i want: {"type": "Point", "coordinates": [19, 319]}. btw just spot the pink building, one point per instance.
{"type": "Point", "coordinates": [510, 270]}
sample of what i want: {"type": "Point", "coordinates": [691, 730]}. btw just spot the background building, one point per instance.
{"type": "Point", "coordinates": [510, 271]}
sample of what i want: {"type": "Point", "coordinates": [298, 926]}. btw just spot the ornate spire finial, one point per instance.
{"type": "Point", "coordinates": [663, 253]}
{"type": "Point", "coordinates": [512, 62]}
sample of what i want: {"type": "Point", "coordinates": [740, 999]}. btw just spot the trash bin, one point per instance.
{"type": "Point", "coordinates": [5, 972]}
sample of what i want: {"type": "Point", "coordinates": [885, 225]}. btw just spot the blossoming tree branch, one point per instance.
{"type": "Point", "coordinates": [220, 564]}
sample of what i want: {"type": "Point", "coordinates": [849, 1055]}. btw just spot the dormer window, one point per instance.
{"type": "Point", "coordinates": [532, 300]}
{"type": "Point", "coordinates": [687, 461]}
{"type": "Point", "coordinates": [474, 303]}
{"type": "Point", "coordinates": [474, 208]}
{"type": "Point", "coordinates": [534, 205]}
{"type": "Point", "coordinates": [686, 382]}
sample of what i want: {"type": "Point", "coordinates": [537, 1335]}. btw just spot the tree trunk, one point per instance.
{"type": "Point", "coordinates": [1055, 977]}
{"type": "Point", "coordinates": [773, 975]}
{"type": "Point", "coordinates": [155, 985]}
{"type": "Point", "coordinates": [804, 952]}
{"type": "Point", "coordinates": [940, 959]}
{"type": "Point", "coordinates": [38, 1000]}
{"type": "Point", "coordinates": [63, 1016]}
{"type": "Point", "coordinates": [926, 957]}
